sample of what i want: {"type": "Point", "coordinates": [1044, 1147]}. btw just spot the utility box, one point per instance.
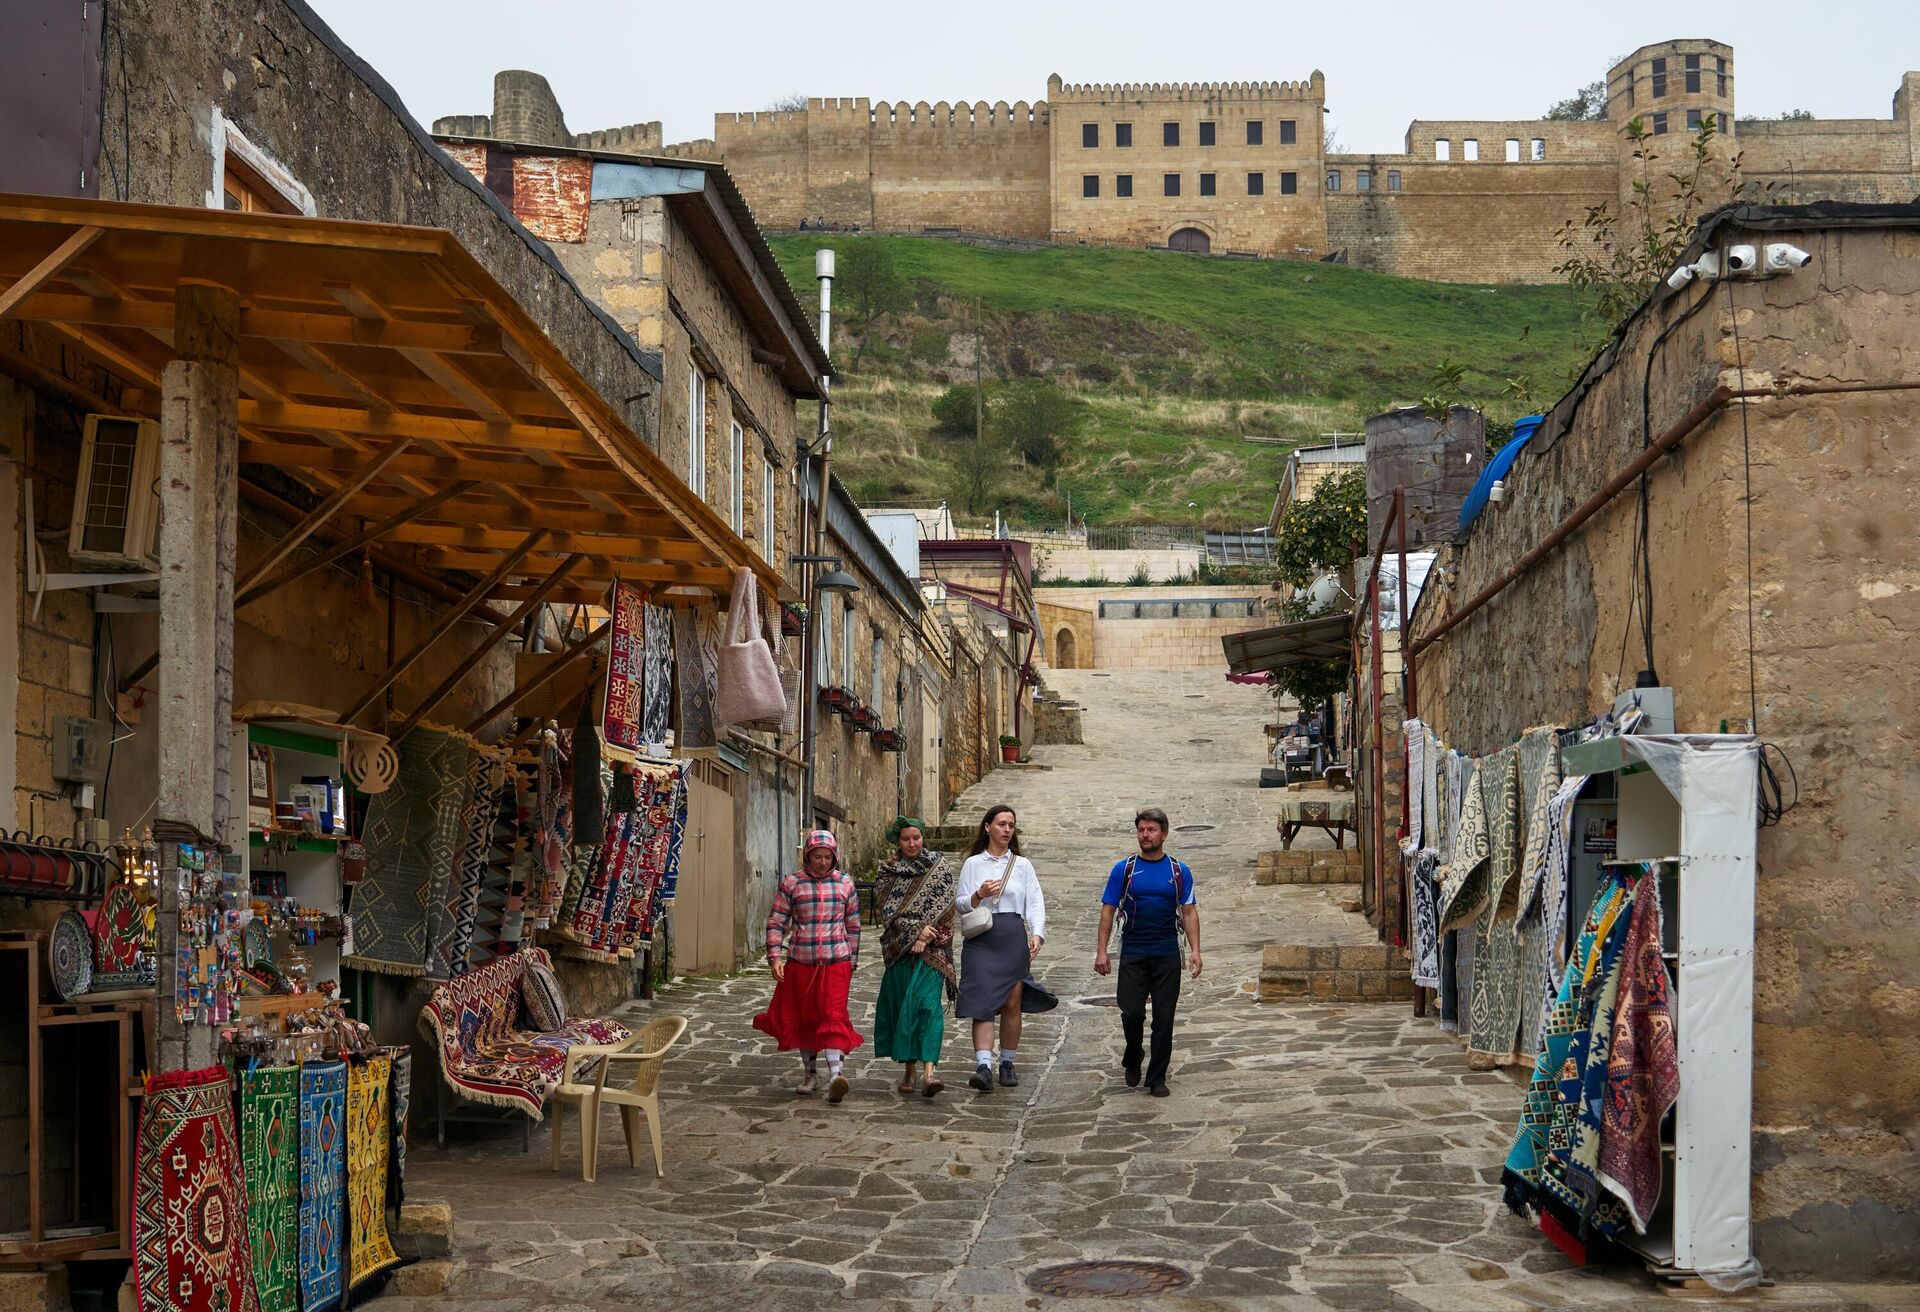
{"type": "Point", "coordinates": [79, 749]}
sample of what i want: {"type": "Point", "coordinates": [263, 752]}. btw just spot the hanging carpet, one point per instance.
{"type": "Point", "coordinates": [323, 1182]}
{"type": "Point", "coordinates": [696, 645]}
{"type": "Point", "coordinates": [1539, 777]}
{"type": "Point", "coordinates": [119, 936]}
{"type": "Point", "coordinates": [1463, 884]}
{"type": "Point", "coordinates": [457, 920]}
{"type": "Point", "coordinates": [190, 1251]}
{"type": "Point", "coordinates": [1414, 735]}
{"type": "Point", "coordinates": [370, 1254]}
{"type": "Point", "coordinates": [413, 837]}
{"type": "Point", "coordinates": [1423, 899]}
{"type": "Point", "coordinates": [399, 1103]}
{"type": "Point", "coordinates": [656, 688]}
{"type": "Point", "coordinates": [1495, 1000]}
{"type": "Point", "coordinates": [1643, 1070]}
{"type": "Point", "coordinates": [270, 1149]}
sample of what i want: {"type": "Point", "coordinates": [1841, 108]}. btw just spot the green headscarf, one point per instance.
{"type": "Point", "coordinates": [903, 822]}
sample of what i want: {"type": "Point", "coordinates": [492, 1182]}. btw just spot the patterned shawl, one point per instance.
{"type": "Point", "coordinates": [913, 894]}
{"type": "Point", "coordinates": [1643, 1071]}
{"type": "Point", "coordinates": [1415, 732]}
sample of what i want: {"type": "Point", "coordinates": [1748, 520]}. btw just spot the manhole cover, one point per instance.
{"type": "Point", "coordinates": [1199, 740]}
{"type": "Point", "coordinates": [1108, 1001]}
{"type": "Point", "coordinates": [1191, 829]}
{"type": "Point", "coordinates": [1101, 676]}
{"type": "Point", "coordinates": [1196, 696]}
{"type": "Point", "coordinates": [1108, 1279]}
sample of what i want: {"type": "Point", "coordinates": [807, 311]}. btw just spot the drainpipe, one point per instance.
{"type": "Point", "coordinates": [813, 531]}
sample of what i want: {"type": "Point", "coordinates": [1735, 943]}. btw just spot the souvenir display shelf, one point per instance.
{"type": "Point", "coordinates": [114, 1032]}
{"type": "Point", "coordinates": [310, 861]}
{"type": "Point", "coordinates": [1688, 803]}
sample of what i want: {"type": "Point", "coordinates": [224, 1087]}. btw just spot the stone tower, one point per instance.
{"type": "Point", "coordinates": [1670, 88]}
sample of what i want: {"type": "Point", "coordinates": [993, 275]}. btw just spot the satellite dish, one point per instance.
{"type": "Point", "coordinates": [1324, 593]}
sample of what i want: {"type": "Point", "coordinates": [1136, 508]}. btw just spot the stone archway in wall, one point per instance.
{"type": "Point", "coordinates": [1190, 239]}
{"type": "Point", "coordinates": [1065, 650]}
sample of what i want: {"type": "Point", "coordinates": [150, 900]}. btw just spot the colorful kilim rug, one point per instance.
{"type": "Point", "coordinates": [484, 1056]}
{"type": "Point", "coordinates": [1463, 887]}
{"type": "Point", "coordinates": [656, 690]}
{"type": "Point", "coordinates": [190, 1251]}
{"type": "Point", "coordinates": [1422, 899]}
{"type": "Point", "coordinates": [451, 924]}
{"type": "Point", "coordinates": [370, 1253]}
{"type": "Point", "coordinates": [696, 646]}
{"type": "Point", "coordinates": [323, 1182]}
{"type": "Point", "coordinates": [412, 836]}
{"type": "Point", "coordinates": [270, 1148]}
{"type": "Point", "coordinates": [119, 933]}
{"type": "Point", "coordinates": [1539, 777]}
{"type": "Point", "coordinates": [1643, 1071]}
{"type": "Point", "coordinates": [1495, 1001]}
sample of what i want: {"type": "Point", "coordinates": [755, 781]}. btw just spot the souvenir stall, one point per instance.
{"type": "Point", "coordinates": [1582, 904]}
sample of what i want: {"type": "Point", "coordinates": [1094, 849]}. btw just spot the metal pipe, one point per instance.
{"type": "Point", "coordinates": [814, 534]}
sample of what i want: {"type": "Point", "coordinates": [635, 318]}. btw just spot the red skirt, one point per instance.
{"type": "Point", "coordinates": [809, 1009]}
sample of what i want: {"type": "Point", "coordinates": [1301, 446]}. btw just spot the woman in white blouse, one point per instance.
{"type": "Point", "coordinates": [996, 964]}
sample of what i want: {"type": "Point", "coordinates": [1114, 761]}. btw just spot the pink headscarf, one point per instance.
{"type": "Point", "coordinates": [816, 839]}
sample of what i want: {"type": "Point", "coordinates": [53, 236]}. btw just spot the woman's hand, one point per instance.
{"type": "Point", "coordinates": [779, 965]}
{"type": "Point", "coordinates": [920, 944]}
{"type": "Point", "coordinates": [988, 888]}
{"type": "Point", "coordinates": [1033, 946]}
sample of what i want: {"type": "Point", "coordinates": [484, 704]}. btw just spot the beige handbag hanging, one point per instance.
{"type": "Point", "coordinates": [749, 692]}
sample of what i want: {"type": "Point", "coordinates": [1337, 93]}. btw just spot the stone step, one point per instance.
{"type": "Point", "coordinates": [1308, 866]}
{"type": "Point", "coordinates": [1370, 972]}
{"type": "Point", "coordinates": [426, 1229]}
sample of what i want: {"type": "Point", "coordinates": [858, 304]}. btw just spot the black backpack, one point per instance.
{"type": "Point", "coordinates": [1126, 897]}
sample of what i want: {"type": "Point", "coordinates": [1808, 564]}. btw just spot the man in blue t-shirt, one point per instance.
{"type": "Point", "coordinates": [1152, 894]}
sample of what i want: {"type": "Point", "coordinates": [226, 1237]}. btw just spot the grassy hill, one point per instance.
{"type": "Point", "coordinates": [1177, 361]}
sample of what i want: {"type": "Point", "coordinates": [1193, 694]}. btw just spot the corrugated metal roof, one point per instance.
{"type": "Point", "coordinates": [1324, 637]}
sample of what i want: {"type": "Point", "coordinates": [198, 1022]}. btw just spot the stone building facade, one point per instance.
{"type": "Point", "coordinates": [1463, 201]}
{"type": "Point", "coordinates": [1829, 625]}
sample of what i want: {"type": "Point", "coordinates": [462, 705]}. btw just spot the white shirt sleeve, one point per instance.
{"type": "Point", "coordinates": [1035, 908]}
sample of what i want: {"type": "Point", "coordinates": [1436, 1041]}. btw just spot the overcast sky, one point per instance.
{"type": "Point", "coordinates": [613, 62]}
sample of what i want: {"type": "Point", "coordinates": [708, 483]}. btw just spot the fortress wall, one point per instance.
{"type": "Point", "coordinates": [766, 153]}
{"type": "Point", "coordinates": [839, 148]}
{"type": "Point", "coordinates": [980, 167]}
{"type": "Point", "coordinates": [1585, 141]}
{"type": "Point", "coordinates": [1477, 223]}
{"type": "Point", "coordinates": [1831, 159]}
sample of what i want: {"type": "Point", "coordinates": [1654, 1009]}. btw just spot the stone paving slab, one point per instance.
{"type": "Point", "coordinates": [1311, 1157]}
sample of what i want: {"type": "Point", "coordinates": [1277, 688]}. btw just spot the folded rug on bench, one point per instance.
{"type": "Point", "coordinates": [485, 1056]}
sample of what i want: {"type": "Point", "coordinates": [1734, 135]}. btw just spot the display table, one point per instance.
{"type": "Point", "coordinates": [1333, 816]}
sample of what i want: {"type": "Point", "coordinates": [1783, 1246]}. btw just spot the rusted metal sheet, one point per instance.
{"type": "Point", "coordinates": [550, 196]}
{"type": "Point", "coordinates": [50, 54]}
{"type": "Point", "coordinates": [471, 158]}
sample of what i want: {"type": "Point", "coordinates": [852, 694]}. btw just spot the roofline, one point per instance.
{"type": "Point", "coordinates": [383, 92]}
{"type": "Point", "coordinates": [786, 301]}
{"type": "Point", "coordinates": [846, 521]}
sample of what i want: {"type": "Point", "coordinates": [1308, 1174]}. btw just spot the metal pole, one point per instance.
{"type": "Point", "coordinates": [813, 530]}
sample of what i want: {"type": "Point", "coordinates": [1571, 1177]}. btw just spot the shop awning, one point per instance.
{"type": "Point", "coordinates": [367, 346]}
{"type": "Point", "coordinates": [1322, 638]}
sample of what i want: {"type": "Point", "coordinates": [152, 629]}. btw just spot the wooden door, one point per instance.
{"type": "Point", "coordinates": [705, 907]}
{"type": "Point", "coordinates": [1190, 239]}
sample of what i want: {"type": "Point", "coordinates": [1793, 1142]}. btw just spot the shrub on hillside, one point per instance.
{"type": "Point", "coordinates": [1036, 420]}
{"type": "Point", "coordinates": [953, 411]}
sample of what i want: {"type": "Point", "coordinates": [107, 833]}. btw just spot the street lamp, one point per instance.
{"type": "Point", "coordinates": [834, 580]}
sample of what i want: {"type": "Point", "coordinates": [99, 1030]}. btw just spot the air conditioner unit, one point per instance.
{"type": "Point", "coordinates": [116, 499]}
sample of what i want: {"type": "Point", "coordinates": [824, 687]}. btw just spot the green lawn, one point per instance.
{"type": "Point", "coordinates": [1177, 359]}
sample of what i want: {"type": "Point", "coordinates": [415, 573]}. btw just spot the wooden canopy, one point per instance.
{"type": "Point", "coordinates": [384, 367]}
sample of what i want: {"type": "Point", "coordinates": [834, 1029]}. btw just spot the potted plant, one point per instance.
{"type": "Point", "coordinates": [835, 699]}
{"type": "Point", "coordinates": [1009, 748]}
{"type": "Point", "coordinates": [865, 719]}
{"type": "Point", "coordinates": [889, 740]}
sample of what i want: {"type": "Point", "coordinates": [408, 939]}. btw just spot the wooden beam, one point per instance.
{"type": "Point", "coordinates": [48, 269]}
{"type": "Point", "coordinates": [348, 546]}
{"type": "Point", "coordinates": [473, 658]}
{"type": "Point", "coordinates": [323, 512]}
{"type": "Point", "coordinates": [330, 369]}
{"type": "Point", "coordinates": [597, 544]}
{"type": "Point", "coordinates": [444, 623]}
{"type": "Point", "coordinates": [446, 468]}
{"type": "Point", "coordinates": [291, 325]}
{"type": "Point", "coordinates": [547, 675]}
{"type": "Point", "coordinates": [463, 388]}
{"type": "Point", "coordinates": [371, 422]}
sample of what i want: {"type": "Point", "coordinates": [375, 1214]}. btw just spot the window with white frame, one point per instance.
{"type": "Point", "coordinates": [848, 623]}
{"type": "Point", "coordinates": [737, 477]}
{"type": "Point", "coordinates": [823, 644]}
{"type": "Point", "coordinates": [769, 519]}
{"type": "Point", "coordinates": [879, 673]}
{"type": "Point", "coordinates": [697, 432]}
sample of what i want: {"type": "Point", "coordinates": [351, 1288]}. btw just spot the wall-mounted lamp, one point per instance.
{"type": "Point", "coordinates": [834, 580]}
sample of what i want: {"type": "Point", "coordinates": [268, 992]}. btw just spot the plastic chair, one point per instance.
{"type": "Point", "coordinates": [646, 1052]}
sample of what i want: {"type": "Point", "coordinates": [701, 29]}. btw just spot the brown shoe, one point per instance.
{"type": "Point", "coordinates": [931, 1087]}
{"type": "Point", "coordinates": [837, 1088]}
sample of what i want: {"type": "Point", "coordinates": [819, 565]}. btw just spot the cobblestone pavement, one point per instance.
{"type": "Point", "coordinates": [1311, 1156]}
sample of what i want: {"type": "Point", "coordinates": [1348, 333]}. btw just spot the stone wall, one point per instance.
{"type": "Point", "coordinates": [1837, 987]}
{"type": "Point", "coordinates": [1150, 643]}
{"type": "Point", "coordinates": [1082, 562]}
{"type": "Point", "coordinates": [1066, 634]}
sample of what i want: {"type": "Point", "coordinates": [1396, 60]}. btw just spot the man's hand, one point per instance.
{"type": "Point", "coordinates": [1193, 962]}
{"type": "Point", "coordinates": [779, 965]}
{"type": "Point", "coordinates": [1102, 965]}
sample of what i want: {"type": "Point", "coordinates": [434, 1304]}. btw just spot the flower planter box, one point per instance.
{"type": "Point", "coordinates": [865, 720]}
{"type": "Point", "coordinates": [836, 700]}
{"type": "Point", "coordinates": [890, 740]}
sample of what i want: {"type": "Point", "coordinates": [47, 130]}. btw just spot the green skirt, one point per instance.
{"type": "Point", "coordinates": [910, 1018]}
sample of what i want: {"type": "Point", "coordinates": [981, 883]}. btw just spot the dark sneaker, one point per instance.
{"type": "Point", "coordinates": [982, 1078]}
{"type": "Point", "coordinates": [1161, 1090]}
{"type": "Point", "coordinates": [1007, 1075]}
{"type": "Point", "coordinates": [837, 1088]}
{"type": "Point", "coordinates": [1133, 1076]}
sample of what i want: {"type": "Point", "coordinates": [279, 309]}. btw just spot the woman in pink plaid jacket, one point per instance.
{"type": "Point", "coordinates": [813, 945]}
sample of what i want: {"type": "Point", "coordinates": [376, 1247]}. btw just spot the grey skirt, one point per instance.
{"type": "Point", "coordinates": [991, 964]}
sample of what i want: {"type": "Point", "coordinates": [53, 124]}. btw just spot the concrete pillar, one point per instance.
{"type": "Point", "coordinates": [199, 491]}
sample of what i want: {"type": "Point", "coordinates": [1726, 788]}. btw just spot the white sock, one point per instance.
{"type": "Point", "coordinates": [1008, 1054]}
{"type": "Point", "coordinates": [834, 1057]}
{"type": "Point", "coordinates": [807, 1060]}
{"type": "Point", "coordinates": [983, 1056]}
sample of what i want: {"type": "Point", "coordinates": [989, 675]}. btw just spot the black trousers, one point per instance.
{"type": "Point", "coordinates": [1142, 978]}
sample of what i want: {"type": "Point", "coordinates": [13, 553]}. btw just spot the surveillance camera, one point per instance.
{"type": "Point", "coordinates": [1742, 259]}
{"type": "Point", "coordinates": [1785, 258]}
{"type": "Point", "coordinates": [1680, 277]}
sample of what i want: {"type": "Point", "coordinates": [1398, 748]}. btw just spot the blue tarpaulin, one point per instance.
{"type": "Point", "coordinates": [1523, 430]}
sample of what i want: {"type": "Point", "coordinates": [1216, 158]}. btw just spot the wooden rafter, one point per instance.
{"type": "Point", "coordinates": [48, 269]}
{"type": "Point", "coordinates": [400, 423]}
{"type": "Point", "coordinates": [551, 671]}
{"type": "Point", "coordinates": [365, 538]}
{"type": "Point", "coordinates": [320, 514]}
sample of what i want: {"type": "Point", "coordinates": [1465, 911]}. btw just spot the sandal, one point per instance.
{"type": "Point", "coordinates": [906, 1081]}
{"type": "Point", "coordinates": [931, 1087]}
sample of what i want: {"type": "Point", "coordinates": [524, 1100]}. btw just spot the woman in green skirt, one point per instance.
{"type": "Point", "coordinates": [915, 893]}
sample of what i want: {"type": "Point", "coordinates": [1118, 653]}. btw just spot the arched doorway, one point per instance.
{"type": "Point", "coordinates": [1064, 651]}
{"type": "Point", "coordinates": [1192, 240]}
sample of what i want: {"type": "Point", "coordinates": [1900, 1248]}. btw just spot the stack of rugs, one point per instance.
{"type": "Point", "coordinates": [473, 846]}
{"type": "Point", "coordinates": [1486, 861]}
{"type": "Point", "coordinates": [288, 1213]}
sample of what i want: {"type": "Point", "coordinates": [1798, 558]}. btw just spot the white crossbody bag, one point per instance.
{"type": "Point", "coordinates": [978, 920]}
